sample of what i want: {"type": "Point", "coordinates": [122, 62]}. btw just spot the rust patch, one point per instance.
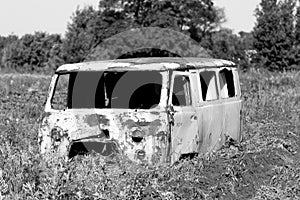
{"type": "Point", "coordinates": [45, 115]}
{"type": "Point", "coordinates": [155, 113]}
{"type": "Point", "coordinates": [154, 126]}
{"type": "Point", "coordinates": [157, 156]}
{"type": "Point", "coordinates": [103, 120]}
{"type": "Point", "coordinates": [91, 120]}
{"type": "Point", "coordinates": [162, 137]}
{"type": "Point", "coordinates": [156, 122]}
{"type": "Point", "coordinates": [143, 123]}
{"type": "Point", "coordinates": [45, 123]}
{"type": "Point", "coordinates": [95, 120]}
{"type": "Point", "coordinates": [129, 123]}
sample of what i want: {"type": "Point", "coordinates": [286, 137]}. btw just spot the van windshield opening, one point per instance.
{"type": "Point", "coordinates": [105, 89]}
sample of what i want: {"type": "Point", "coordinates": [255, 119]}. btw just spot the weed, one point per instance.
{"type": "Point", "coordinates": [264, 166]}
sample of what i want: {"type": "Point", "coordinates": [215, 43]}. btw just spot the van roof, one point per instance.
{"type": "Point", "coordinates": [146, 64]}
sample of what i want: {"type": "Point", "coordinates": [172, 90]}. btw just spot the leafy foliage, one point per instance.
{"type": "Point", "coordinates": [296, 51]}
{"type": "Point", "coordinates": [89, 27]}
{"type": "Point", "coordinates": [297, 26]}
{"type": "Point", "coordinates": [79, 39]}
{"type": "Point", "coordinates": [38, 52]}
{"type": "Point", "coordinates": [4, 41]}
{"type": "Point", "coordinates": [274, 34]}
{"type": "Point", "coordinates": [147, 42]}
{"type": "Point", "coordinates": [226, 45]}
{"type": "Point", "coordinates": [196, 17]}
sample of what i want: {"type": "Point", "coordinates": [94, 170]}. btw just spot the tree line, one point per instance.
{"type": "Point", "coordinates": [274, 42]}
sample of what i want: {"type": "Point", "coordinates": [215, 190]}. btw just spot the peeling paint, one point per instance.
{"type": "Point", "coordinates": [128, 123]}
{"type": "Point", "coordinates": [91, 120]}
{"type": "Point", "coordinates": [157, 135]}
{"type": "Point", "coordinates": [95, 120]}
{"type": "Point", "coordinates": [103, 120]}
{"type": "Point", "coordinates": [155, 113]}
{"type": "Point", "coordinates": [142, 123]}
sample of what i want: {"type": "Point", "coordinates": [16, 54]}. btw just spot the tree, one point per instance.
{"type": "Point", "coordinates": [89, 27]}
{"type": "Point", "coordinates": [247, 40]}
{"type": "Point", "coordinates": [274, 33]}
{"type": "Point", "coordinates": [297, 26]}
{"type": "Point", "coordinates": [78, 39]}
{"type": "Point", "coordinates": [226, 45]}
{"type": "Point", "coordinates": [4, 41]}
{"type": "Point", "coordinates": [296, 49]}
{"type": "Point", "coordinates": [200, 18]}
{"type": "Point", "coordinates": [32, 52]}
{"type": "Point", "coordinates": [197, 18]}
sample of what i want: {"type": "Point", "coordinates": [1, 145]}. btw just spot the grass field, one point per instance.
{"type": "Point", "coordinates": [266, 165]}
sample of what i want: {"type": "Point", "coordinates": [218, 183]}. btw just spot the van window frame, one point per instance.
{"type": "Point", "coordinates": [234, 83]}
{"type": "Point", "coordinates": [54, 80]}
{"type": "Point", "coordinates": [215, 70]}
{"type": "Point", "coordinates": [173, 74]}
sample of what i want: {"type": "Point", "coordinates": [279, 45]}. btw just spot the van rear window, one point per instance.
{"type": "Point", "coordinates": [103, 89]}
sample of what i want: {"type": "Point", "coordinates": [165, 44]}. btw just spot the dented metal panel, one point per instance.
{"type": "Point", "coordinates": [233, 111]}
{"type": "Point", "coordinates": [141, 135]}
{"type": "Point", "coordinates": [118, 126]}
{"type": "Point", "coordinates": [211, 122]}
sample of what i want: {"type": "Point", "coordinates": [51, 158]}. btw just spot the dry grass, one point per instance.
{"type": "Point", "coordinates": [264, 166]}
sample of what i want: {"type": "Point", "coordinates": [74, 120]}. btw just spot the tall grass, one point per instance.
{"type": "Point", "coordinates": [264, 166]}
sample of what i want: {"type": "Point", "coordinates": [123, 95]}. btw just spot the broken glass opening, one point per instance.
{"type": "Point", "coordinates": [209, 85]}
{"type": "Point", "coordinates": [181, 91]}
{"type": "Point", "coordinates": [103, 89]}
{"type": "Point", "coordinates": [59, 99]}
{"type": "Point", "coordinates": [226, 83]}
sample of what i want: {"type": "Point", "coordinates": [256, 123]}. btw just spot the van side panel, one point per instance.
{"type": "Point", "coordinates": [131, 132]}
{"type": "Point", "coordinates": [210, 111]}
{"type": "Point", "coordinates": [232, 115]}
{"type": "Point", "coordinates": [211, 117]}
{"type": "Point", "coordinates": [184, 124]}
{"type": "Point", "coordinates": [233, 110]}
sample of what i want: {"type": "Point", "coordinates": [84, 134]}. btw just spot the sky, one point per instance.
{"type": "Point", "coordinates": [27, 16]}
{"type": "Point", "coordinates": [20, 17]}
{"type": "Point", "coordinates": [239, 13]}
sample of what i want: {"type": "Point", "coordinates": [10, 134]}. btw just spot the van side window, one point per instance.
{"type": "Point", "coordinates": [209, 85]}
{"type": "Point", "coordinates": [60, 96]}
{"type": "Point", "coordinates": [181, 91]}
{"type": "Point", "coordinates": [226, 83]}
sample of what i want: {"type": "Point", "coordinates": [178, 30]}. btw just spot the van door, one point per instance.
{"type": "Point", "coordinates": [210, 111]}
{"type": "Point", "coordinates": [184, 127]}
{"type": "Point", "coordinates": [230, 95]}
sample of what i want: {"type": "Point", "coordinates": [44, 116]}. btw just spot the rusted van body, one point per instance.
{"type": "Point", "coordinates": [153, 110]}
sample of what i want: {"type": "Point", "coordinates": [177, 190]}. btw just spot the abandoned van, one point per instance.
{"type": "Point", "coordinates": [153, 110]}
